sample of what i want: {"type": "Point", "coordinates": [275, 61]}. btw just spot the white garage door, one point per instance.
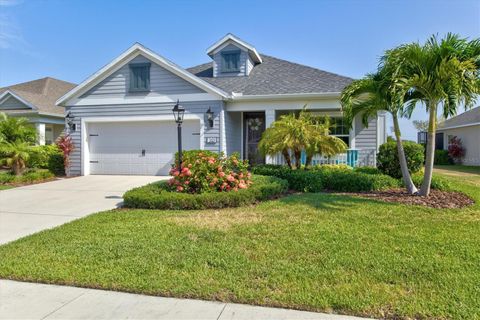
{"type": "Point", "coordinates": [138, 148]}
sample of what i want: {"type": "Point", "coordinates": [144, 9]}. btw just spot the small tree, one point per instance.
{"type": "Point", "coordinates": [15, 155]}
{"type": "Point", "coordinates": [65, 144]}
{"type": "Point", "coordinates": [456, 151]}
{"type": "Point", "coordinates": [420, 125]}
{"type": "Point", "coordinates": [293, 134]}
{"type": "Point", "coordinates": [16, 129]}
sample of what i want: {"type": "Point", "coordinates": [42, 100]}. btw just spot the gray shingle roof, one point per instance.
{"type": "Point", "coordinates": [275, 76]}
{"type": "Point", "coordinates": [468, 117]}
{"type": "Point", "coordinates": [42, 93]}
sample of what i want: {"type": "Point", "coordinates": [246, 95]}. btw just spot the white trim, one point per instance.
{"type": "Point", "coordinates": [241, 135]}
{"type": "Point", "coordinates": [459, 126]}
{"type": "Point", "coordinates": [223, 138]}
{"type": "Point", "coordinates": [286, 96]}
{"type": "Point", "coordinates": [25, 102]}
{"type": "Point", "coordinates": [85, 154]}
{"type": "Point", "coordinates": [128, 55]}
{"type": "Point", "coordinates": [139, 100]}
{"type": "Point", "coordinates": [352, 135]}
{"type": "Point", "coordinates": [232, 38]}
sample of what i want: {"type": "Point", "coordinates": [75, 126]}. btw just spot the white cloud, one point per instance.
{"type": "Point", "coordinates": [10, 34]}
{"type": "Point", "coordinates": [9, 3]}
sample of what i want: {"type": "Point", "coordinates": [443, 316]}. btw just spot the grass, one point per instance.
{"type": "Point", "coordinates": [319, 252]}
{"type": "Point", "coordinates": [469, 174]}
{"type": "Point", "coordinates": [5, 187]}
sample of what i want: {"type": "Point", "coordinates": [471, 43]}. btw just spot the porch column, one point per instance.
{"type": "Point", "coordinates": [40, 133]}
{"type": "Point", "coordinates": [269, 119]}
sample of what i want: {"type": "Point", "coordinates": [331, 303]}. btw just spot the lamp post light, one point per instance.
{"type": "Point", "coordinates": [210, 117]}
{"type": "Point", "coordinates": [178, 112]}
{"type": "Point", "coordinates": [69, 118]}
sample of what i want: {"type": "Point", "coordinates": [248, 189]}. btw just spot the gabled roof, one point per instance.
{"type": "Point", "coordinates": [128, 55]}
{"type": "Point", "coordinates": [230, 38]}
{"type": "Point", "coordinates": [276, 77]}
{"type": "Point", "coordinates": [40, 95]}
{"type": "Point", "coordinates": [468, 118]}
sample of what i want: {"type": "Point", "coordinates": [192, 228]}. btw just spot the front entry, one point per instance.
{"type": "Point", "coordinates": [254, 125]}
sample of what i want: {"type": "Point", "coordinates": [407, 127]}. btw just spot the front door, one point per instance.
{"type": "Point", "coordinates": [254, 125]}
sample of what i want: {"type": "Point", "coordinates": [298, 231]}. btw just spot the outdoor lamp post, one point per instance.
{"type": "Point", "coordinates": [178, 112]}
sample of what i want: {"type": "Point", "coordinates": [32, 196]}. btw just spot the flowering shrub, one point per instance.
{"type": "Point", "coordinates": [456, 150]}
{"type": "Point", "coordinates": [206, 171]}
{"type": "Point", "coordinates": [65, 143]}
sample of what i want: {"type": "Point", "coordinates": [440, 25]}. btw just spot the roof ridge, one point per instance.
{"type": "Point", "coordinates": [305, 66]}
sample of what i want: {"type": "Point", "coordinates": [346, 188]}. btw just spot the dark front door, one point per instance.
{"type": "Point", "coordinates": [253, 125]}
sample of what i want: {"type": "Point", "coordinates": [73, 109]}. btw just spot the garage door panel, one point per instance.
{"type": "Point", "coordinates": [116, 148]}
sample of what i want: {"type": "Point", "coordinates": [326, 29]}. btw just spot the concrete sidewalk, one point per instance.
{"type": "Point", "coordinates": [21, 300]}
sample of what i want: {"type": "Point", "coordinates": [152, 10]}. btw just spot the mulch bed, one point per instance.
{"type": "Point", "coordinates": [437, 199]}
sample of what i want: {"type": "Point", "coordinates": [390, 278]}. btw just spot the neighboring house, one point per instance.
{"type": "Point", "coordinates": [465, 126]}
{"type": "Point", "coordinates": [123, 113]}
{"type": "Point", "coordinates": [35, 100]}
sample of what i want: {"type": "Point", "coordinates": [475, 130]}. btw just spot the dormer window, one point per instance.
{"type": "Point", "coordinates": [231, 61]}
{"type": "Point", "coordinates": [139, 77]}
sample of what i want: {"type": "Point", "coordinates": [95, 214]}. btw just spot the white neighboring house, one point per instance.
{"type": "Point", "coordinates": [465, 126]}
{"type": "Point", "coordinates": [122, 115]}
{"type": "Point", "coordinates": [35, 100]}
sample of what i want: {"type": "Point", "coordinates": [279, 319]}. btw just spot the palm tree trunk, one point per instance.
{"type": "Point", "coordinates": [287, 157]}
{"type": "Point", "coordinates": [407, 179]}
{"type": "Point", "coordinates": [432, 127]}
{"type": "Point", "coordinates": [298, 158]}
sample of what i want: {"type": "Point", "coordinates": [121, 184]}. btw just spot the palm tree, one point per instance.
{"type": "Point", "coordinates": [13, 129]}
{"type": "Point", "coordinates": [370, 95]}
{"type": "Point", "coordinates": [293, 134]}
{"type": "Point", "coordinates": [439, 73]}
{"type": "Point", "coordinates": [15, 154]}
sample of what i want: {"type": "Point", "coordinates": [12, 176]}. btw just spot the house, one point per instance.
{"type": "Point", "coordinates": [123, 122]}
{"type": "Point", "coordinates": [36, 101]}
{"type": "Point", "coordinates": [465, 126]}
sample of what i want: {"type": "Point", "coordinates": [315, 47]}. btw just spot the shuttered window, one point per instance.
{"type": "Point", "coordinates": [139, 77]}
{"type": "Point", "coordinates": [231, 61]}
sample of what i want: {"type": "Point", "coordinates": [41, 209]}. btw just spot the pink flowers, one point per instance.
{"type": "Point", "coordinates": [207, 171]}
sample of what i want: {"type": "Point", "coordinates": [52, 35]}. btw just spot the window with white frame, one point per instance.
{"type": "Point", "coordinates": [340, 129]}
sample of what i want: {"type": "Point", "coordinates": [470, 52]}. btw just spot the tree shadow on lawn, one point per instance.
{"type": "Point", "coordinates": [330, 201]}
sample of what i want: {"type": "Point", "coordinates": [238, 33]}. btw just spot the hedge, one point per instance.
{"type": "Point", "coordinates": [442, 158]}
{"type": "Point", "coordinates": [47, 157]}
{"type": "Point", "coordinates": [156, 196]}
{"type": "Point", "coordinates": [388, 162]}
{"type": "Point", "coordinates": [438, 182]}
{"type": "Point", "coordinates": [29, 176]}
{"type": "Point", "coordinates": [323, 178]}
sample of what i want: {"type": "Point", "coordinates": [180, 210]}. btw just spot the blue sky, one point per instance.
{"type": "Point", "coordinates": [70, 40]}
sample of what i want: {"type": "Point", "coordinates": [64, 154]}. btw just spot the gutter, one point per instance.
{"type": "Point", "coordinates": [286, 96]}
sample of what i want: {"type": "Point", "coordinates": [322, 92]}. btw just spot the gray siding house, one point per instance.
{"type": "Point", "coordinates": [36, 101]}
{"type": "Point", "coordinates": [123, 121]}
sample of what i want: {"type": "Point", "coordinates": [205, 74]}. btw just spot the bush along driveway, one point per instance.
{"type": "Point", "coordinates": [317, 252]}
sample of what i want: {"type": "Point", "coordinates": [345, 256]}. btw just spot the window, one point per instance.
{"type": "Point", "coordinates": [139, 77]}
{"type": "Point", "coordinates": [231, 61]}
{"type": "Point", "coordinates": [48, 135]}
{"type": "Point", "coordinates": [339, 129]}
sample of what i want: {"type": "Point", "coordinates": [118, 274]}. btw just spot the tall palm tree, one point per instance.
{"type": "Point", "coordinates": [440, 73]}
{"type": "Point", "coordinates": [370, 95]}
{"type": "Point", "coordinates": [293, 134]}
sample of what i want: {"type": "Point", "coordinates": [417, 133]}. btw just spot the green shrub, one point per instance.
{"type": "Point", "coordinates": [442, 157]}
{"type": "Point", "coordinates": [29, 176]}
{"type": "Point", "coordinates": [368, 170]}
{"type": "Point", "coordinates": [387, 158]}
{"type": "Point", "coordinates": [438, 182]}
{"type": "Point", "coordinates": [328, 178]}
{"type": "Point", "coordinates": [47, 157]}
{"type": "Point", "coordinates": [206, 171]}
{"type": "Point", "coordinates": [157, 196]}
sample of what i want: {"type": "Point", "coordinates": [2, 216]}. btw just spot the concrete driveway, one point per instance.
{"type": "Point", "coordinates": [29, 209]}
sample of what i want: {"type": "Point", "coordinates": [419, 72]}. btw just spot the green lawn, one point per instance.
{"type": "Point", "coordinates": [5, 187]}
{"type": "Point", "coordinates": [470, 174]}
{"type": "Point", "coordinates": [320, 252]}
